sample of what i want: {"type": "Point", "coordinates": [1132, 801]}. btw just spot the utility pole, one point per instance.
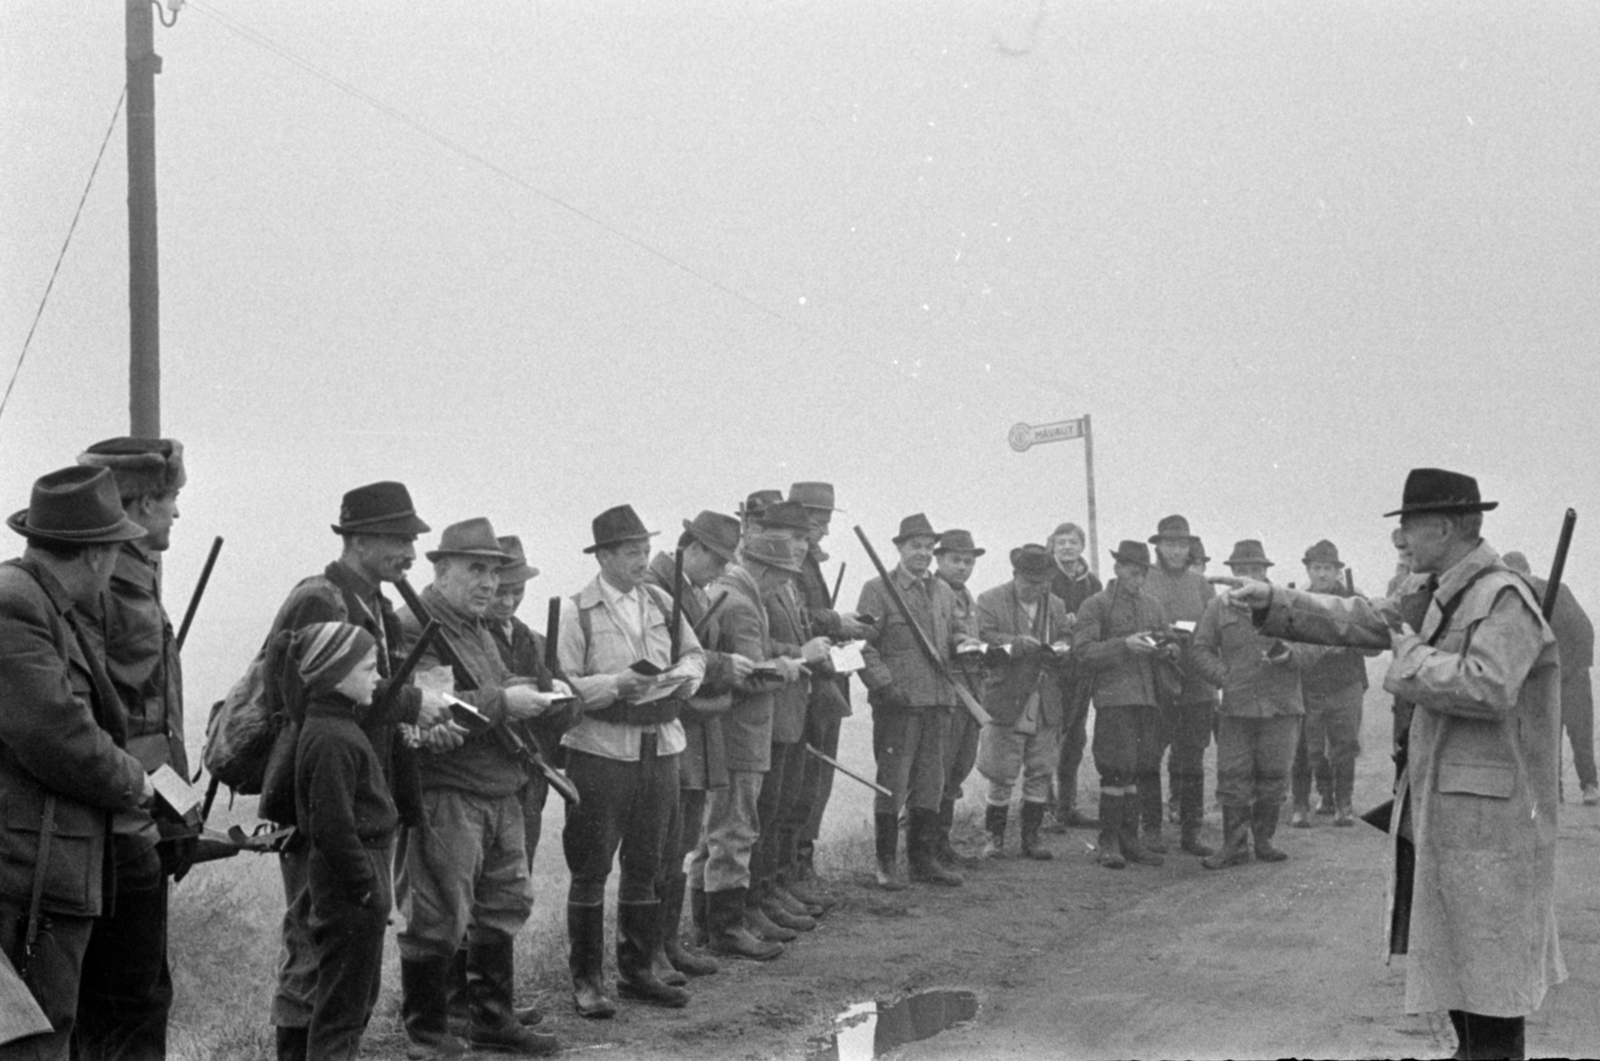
{"type": "Point", "coordinates": [1088, 469]}
{"type": "Point", "coordinates": [144, 290]}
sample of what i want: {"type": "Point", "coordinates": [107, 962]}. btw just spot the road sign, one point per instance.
{"type": "Point", "coordinates": [1024, 436]}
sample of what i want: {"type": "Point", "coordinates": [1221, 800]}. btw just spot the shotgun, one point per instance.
{"type": "Point", "coordinates": [1559, 565]}
{"type": "Point", "coordinates": [936, 661]}
{"type": "Point", "coordinates": [199, 591]}
{"type": "Point", "coordinates": [675, 631]}
{"type": "Point", "coordinates": [838, 584]}
{"type": "Point", "coordinates": [847, 772]}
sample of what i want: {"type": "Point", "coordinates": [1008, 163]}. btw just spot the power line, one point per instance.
{"type": "Point", "coordinates": [116, 111]}
{"type": "Point", "coordinates": [262, 41]}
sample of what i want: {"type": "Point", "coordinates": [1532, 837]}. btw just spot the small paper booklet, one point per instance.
{"type": "Point", "coordinates": [173, 791]}
{"type": "Point", "coordinates": [847, 658]}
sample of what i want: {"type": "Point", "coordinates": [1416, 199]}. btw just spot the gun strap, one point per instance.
{"type": "Point", "coordinates": [47, 828]}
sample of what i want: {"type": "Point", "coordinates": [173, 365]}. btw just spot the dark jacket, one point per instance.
{"type": "Point", "coordinates": [342, 800]}
{"type": "Point", "coordinates": [969, 672]}
{"type": "Point", "coordinates": [61, 730]}
{"type": "Point", "coordinates": [786, 622]}
{"type": "Point", "coordinates": [1184, 596]}
{"type": "Point", "coordinates": [1230, 652]}
{"type": "Point", "coordinates": [1002, 619]}
{"type": "Point", "coordinates": [830, 694]}
{"type": "Point", "coordinates": [522, 651]}
{"type": "Point", "coordinates": [891, 653]}
{"type": "Point", "coordinates": [1121, 678]}
{"type": "Point", "coordinates": [1073, 590]}
{"type": "Point", "coordinates": [704, 764]}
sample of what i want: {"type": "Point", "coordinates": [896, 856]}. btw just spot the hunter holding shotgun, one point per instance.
{"type": "Point", "coordinates": [1480, 782]}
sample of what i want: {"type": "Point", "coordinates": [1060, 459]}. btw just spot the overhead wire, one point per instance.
{"type": "Point", "coordinates": [73, 227]}
{"type": "Point", "coordinates": [261, 40]}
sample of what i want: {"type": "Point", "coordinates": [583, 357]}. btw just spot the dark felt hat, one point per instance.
{"type": "Point", "coordinates": [1172, 527]}
{"type": "Point", "coordinates": [76, 506]}
{"type": "Point", "coordinates": [774, 552]}
{"type": "Point", "coordinates": [957, 541]}
{"type": "Point", "coordinates": [716, 532]}
{"type": "Point", "coordinates": [1248, 551]}
{"type": "Point", "coordinates": [758, 501]}
{"type": "Point", "coordinates": [470, 537]}
{"type": "Point", "coordinates": [1033, 561]}
{"type": "Point", "coordinates": [1132, 552]}
{"type": "Point", "coordinates": [1436, 490]}
{"type": "Point", "coordinates": [140, 465]}
{"type": "Point", "coordinates": [379, 508]}
{"type": "Point", "coordinates": [615, 526]}
{"type": "Point", "coordinates": [785, 515]}
{"type": "Point", "coordinates": [1324, 552]}
{"type": "Point", "coordinates": [518, 570]}
{"type": "Point", "coordinates": [813, 495]}
{"type": "Point", "coordinates": [915, 526]}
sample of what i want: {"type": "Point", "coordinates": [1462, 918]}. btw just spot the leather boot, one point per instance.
{"type": "Point", "coordinates": [293, 1043]}
{"type": "Point", "coordinates": [586, 936]}
{"type": "Point", "coordinates": [1032, 818]}
{"type": "Point", "coordinates": [726, 927]}
{"type": "Point", "coordinates": [925, 868]}
{"type": "Point", "coordinates": [1132, 850]}
{"type": "Point", "coordinates": [1110, 855]}
{"type": "Point", "coordinates": [1265, 823]}
{"type": "Point", "coordinates": [805, 861]}
{"type": "Point", "coordinates": [1192, 843]}
{"type": "Point", "coordinates": [994, 829]}
{"type": "Point", "coordinates": [1235, 840]}
{"type": "Point", "coordinates": [757, 921]}
{"type": "Point", "coordinates": [887, 840]}
{"type": "Point", "coordinates": [946, 854]}
{"type": "Point", "coordinates": [1152, 840]}
{"type": "Point", "coordinates": [425, 1008]}
{"type": "Point", "coordinates": [1300, 816]}
{"type": "Point", "coordinates": [456, 989]}
{"type": "Point", "coordinates": [492, 1021]}
{"type": "Point", "coordinates": [685, 961]}
{"type": "Point", "coordinates": [671, 916]}
{"type": "Point", "coordinates": [638, 936]}
{"type": "Point", "coordinates": [817, 901]}
{"type": "Point", "coordinates": [781, 914]}
{"type": "Point", "coordinates": [1191, 791]}
{"type": "Point", "coordinates": [700, 916]}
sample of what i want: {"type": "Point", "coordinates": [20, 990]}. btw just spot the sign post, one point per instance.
{"type": "Point", "coordinates": [1023, 437]}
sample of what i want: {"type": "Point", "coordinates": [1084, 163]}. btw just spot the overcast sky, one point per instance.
{"type": "Point", "coordinates": [1281, 253]}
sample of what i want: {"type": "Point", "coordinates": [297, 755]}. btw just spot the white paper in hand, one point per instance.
{"type": "Point", "coordinates": [847, 658]}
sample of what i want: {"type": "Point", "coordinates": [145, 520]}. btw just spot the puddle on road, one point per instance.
{"type": "Point", "coordinates": [868, 1030]}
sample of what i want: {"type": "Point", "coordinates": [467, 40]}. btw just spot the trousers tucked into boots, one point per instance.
{"type": "Point", "coordinates": [887, 840]}
{"type": "Point", "coordinates": [638, 937]}
{"type": "Point", "coordinates": [1235, 840]}
{"type": "Point", "coordinates": [672, 949]}
{"type": "Point", "coordinates": [994, 829]}
{"type": "Point", "coordinates": [726, 932]}
{"type": "Point", "coordinates": [586, 938]}
{"type": "Point", "coordinates": [921, 846]}
{"type": "Point", "coordinates": [424, 1005]}
{"type": "Point", "coordinates": [1111, 810]}
{"type": "Point", "coordinates": [1032, 818]}
{"type": "Point", "coordinates": [1265, 824]}
{"type": "Point", "coordinates": [492, 1019]}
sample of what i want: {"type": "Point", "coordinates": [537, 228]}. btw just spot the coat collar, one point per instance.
{"type": "Point", "coordinates": [1466, 569]}
{"type": "Point", "coordinates": [905, 579]}
{"type": "Point", "coordinates": [53, 589]}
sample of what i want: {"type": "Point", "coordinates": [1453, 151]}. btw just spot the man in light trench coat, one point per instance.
{"type": "Point", "coordinates": [1481, 779]}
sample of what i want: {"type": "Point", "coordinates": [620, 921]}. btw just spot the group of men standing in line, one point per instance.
{"type": "Point", "coordinates": [680, 698]}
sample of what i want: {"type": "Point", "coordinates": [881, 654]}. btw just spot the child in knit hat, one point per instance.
{"type": "Point", "coordinates": [345, 811]}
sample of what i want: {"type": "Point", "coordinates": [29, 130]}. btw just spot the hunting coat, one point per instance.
{"type": "Point", "coordinates": [1002, 619]}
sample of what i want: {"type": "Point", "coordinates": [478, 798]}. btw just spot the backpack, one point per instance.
{"type": "Point", "coordinates": [241, 730]}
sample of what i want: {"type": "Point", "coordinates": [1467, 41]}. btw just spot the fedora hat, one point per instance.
{"type": "Point", "coordinates": [958, 541]}
{"type": "Point", "coordinates": [617, 525]}
{"type": "Point", "coordinates": [1436, 490]}
{"type": "Point", "coordinates": [379, 508]}
{"type": "Point", "coordinates": [813, 495]}
{"type": "Point", "coordinates": [1248, 551]}
{"type": "Point", "coordinates": [784, 515]}
{"type": "Point", "coordinates": [915, 526]}
{"type": "Point", "coordinates": [770, 551]}
{"type": "Point", "coordinates": [716, 532]}
{"type": "Point", "coordinates": [758, 501]}
{"type": "Point", "coordinates": [1033, 561]}
{"type": "Point", "coordinates": [1324, 552]}
{"type": "Point", "coordinates": [470, 537]}
{"type": "Point", "coordinates": [1172, 527]}
{"type": "Point", "coordinates": [76, 506]}
{"type": "Point", "coordinates": [1132, 552]}
{"type": "Point", "coordinates": [140, 465]}
{"type": "Point", "coordinates": [518, 570]}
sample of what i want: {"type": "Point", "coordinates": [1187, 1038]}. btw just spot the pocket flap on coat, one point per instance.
{"type": "Point", "coordinates": [1478, 779]}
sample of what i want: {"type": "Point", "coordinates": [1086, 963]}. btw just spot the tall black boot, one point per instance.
{"type": "Point", "coordinates": [1032, 818]}
{"type": "Point", "coordinates": [1265, 824]}
{"type": "Point", "coordinates": [682, 958]}
{"type": "Point", "coordinates": [425, 1008]}
{"type": "Point", "coordinates": [292, 1043]}
{"type": "Point", "coordinates": [1493, 1038]}
{"type": "Point", "coordinates": [728, 934]}
{"type": "Point", "coordinates": [1137, 853]}
{"type": "Point", "coordinates": [638, 931]}
{"type": "Point", "coordinates": [1111, 809]}
{"type": "Point", "coordinates": [942, 850]}
{"type": "Point", "coordinates": [700, 916]}
{"type": "Point", "coordinates": [1235, 840]}
{"type": "Point", "coordinates": [994, 829]}
{"type": "Point", "coordinates": [887, 840]}
{"type": "Point", "coordinates": [920, 850]}
{"type": "Point", "coordinates": [1191, 812]}
{"type": "Point", "coordinates": [493, 1023]}
{"type": "Point", "coordinates": [456, 987]}
{"type": "Point", "coordinates": [586, 936]}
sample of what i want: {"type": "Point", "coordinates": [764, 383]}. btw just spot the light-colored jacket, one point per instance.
{"type": "Point", "coordinates": [1002, 620]}
{"type": "Point", "coordinates": [1481, 780]}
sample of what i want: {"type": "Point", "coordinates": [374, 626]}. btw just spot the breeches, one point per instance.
{"type": "Point", "coordinates": [626, 807]}
{"type": "Point", "coordinates": [1003, 753]}
{"type": "Point", "coordinates": [463, 865]}
{"type": "Point", "coordinates": [1253, 758]}
{"type": "Point", "coordinates": [1126, 744]}
{"type": "Point", "coordinates": [909, 745]}
{"type": "Point", "coordinates": [722, 858]}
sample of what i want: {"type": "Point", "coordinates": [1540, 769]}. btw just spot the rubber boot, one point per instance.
{"type": "Point", "coordinates": [292, 1043]}
{"type": "Point", "coordinates": [1192, 843]}
{"type": "Point", "coordinates": [818, 901]}
{"type": "Point", "coordinates": [680, 957]}
{"type": "Point", "coordinates": [638, 936]}
{"type": "Point", "coordinates": [806, 866]}
{"type": "Point", "coordinates": [586, 936]}
{"type": "Point", "coordinates": [779, 913]}
{"type": "Point", "coordinates": [671, 914]}
{"type": "Point", "coordinates": [943, 851]}
{"type": "Point", "coordinates": [1235, 840]}
{"type": "Point", "coordinates": [456, 989]}
{"type": "Point", "coordinates": [792, 902]}
{"type": "Point", "coordinates": [994, 830]}
{"type": "Point", "coordinates": [1265, 823]}
{"type": "Point", "coordinates": [1110, 855]}
{"type": "Point", "coordinates": [920, 846]}
{"type": "Point", "coordinates": [700, 916]}
{"type": "Point", "coordinates": [1191, 813]}
{"type": "Point", "coordinates": [1135, 852]}
{"type": "Point", "coordinates": [728, 934]}
{"type": "Point", "coordinates": [1032, 818]}
{"type": "Point", "coordinates": [887, 839]}
{"type": "Point", "coordinates": [1344, 779]}
{"type": "Point", "coordinates": [492, 1020]}
{"type": "Point", "coordinates": [757, 921]}
{"type": "Point", "coordinates": [1300, 816]}
{"type": "Point", "coordinates": [425, 1007]}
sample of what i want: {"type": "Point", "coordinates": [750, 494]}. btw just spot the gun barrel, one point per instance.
{"type": "Point", "coordinates": [199, 591]}
{"type": "Point", "coordinates": [1559, 565]}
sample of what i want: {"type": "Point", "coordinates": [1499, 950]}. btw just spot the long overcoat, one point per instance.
{"type": "Point", "coordinates": [1481, 780]}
